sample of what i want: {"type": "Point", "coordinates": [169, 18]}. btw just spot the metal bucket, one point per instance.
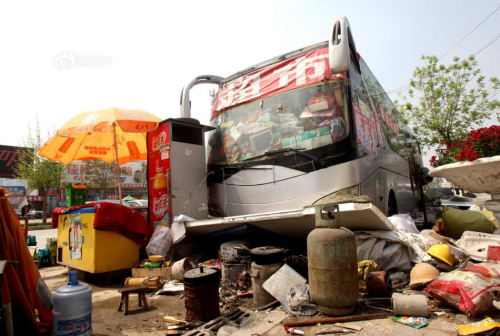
{"type": "Point", "coordinates": [181, 266]}
{"type": "Point", "coordinates": [260, 273]}
{"type": "Point", "coordinates": [410, 305]}
{"type": "Point", "coordinates": [201, 287]}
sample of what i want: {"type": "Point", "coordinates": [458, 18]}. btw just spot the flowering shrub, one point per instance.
{"type": "Point", "coordinates": [483, 142]}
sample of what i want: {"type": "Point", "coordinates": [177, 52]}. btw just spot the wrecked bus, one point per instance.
{"type": "Point", "coordinates": [310, 126]}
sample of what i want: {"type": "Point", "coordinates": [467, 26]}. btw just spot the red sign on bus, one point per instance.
{"type": "Point", "coordinates": [388, 120]}
{"type": "Point", "coordinates": [305, 69]}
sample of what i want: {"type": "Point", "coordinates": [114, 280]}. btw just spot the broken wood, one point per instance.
{"type": "Point", "coordinates": [335, 320]}
{"type": "Point", "coordinates": [174, 320]}
{"type": "Point", "coordinates": [334, 330]}
{"type": "Point", "coordinates": [349, 326]}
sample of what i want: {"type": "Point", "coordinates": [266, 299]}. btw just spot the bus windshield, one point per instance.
{"type": "Point", "coordinates": [302, 119]}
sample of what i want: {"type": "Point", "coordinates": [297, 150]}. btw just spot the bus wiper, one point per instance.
{"type": "Point", "coordinates": [285, 150]}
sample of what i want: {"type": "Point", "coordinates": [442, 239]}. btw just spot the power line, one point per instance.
{"type": "Point", "coordinates": [406, 87]}
{"type": "Point", "coordinates": [469, 33]}
{"type": "Point", "coordinates": [496, 38]}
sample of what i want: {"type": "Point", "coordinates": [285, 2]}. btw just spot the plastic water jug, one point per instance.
{"type": "Point", "coordinates": [73, 308]}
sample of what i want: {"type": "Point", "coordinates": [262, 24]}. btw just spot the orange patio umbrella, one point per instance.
{"type": "Point", "coordinates": [110, 135]}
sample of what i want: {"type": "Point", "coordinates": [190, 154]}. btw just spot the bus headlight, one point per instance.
{"type": "Point", "coordinates": [340, 195]}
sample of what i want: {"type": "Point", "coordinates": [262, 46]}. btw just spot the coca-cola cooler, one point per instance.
{"type": "Point", "coordinates": [176, 167]}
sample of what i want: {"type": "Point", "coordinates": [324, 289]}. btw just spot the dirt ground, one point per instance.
{"type": "Point", "coordinates": [106, 320]}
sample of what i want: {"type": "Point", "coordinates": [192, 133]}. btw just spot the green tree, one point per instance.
{"type": "Point", "coordinates": [39, 173]}
{"type": "Point", "coordinates": [445, 102]}
{"type": "Point", "coordinates": [101, 174]}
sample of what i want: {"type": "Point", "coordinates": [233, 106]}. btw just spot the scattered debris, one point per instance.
{"type": "Point", "coordinates": [478, 327]}
{"type": "Point", "coordinates": [299, 301]}
{"type": "Point", "coordinates": [334, 330]}
{"type": "Point", "coordinates": [335, 320]}
{"type": "Point", "coordinates": [171, 287]}
{"type": "Point", "coordinates": [349, 326]}
{"type": "Point", "coordinates": [415, 322]}
{"type": "Point", "coordinates": [280, 284]}
{"type": "Point", "coordinates": [294, 331]}
{"type": "Point", "coordinates": [174, 320]}
{"type": "Point", "coordinates": [410, 305]}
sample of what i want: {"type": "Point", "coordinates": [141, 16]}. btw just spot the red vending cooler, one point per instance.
{"type": "Point", "coordinates": [176, 167]}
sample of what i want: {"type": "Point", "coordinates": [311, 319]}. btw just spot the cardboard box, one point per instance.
{"type": "Point", "coordinates": [144, 272]}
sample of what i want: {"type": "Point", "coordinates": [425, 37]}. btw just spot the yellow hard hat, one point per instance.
{"type": "Point", "coordinates": [422, 274]}
{"type": "Point", "coordinates": [442, 252]}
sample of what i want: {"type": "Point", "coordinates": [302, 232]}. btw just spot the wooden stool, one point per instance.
{"type": "Point", "coordinates": [141, 293]}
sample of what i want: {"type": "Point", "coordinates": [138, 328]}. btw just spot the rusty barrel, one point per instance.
{"type": "Point", "coordinates": [332, 264]}
{"type": "Point", "coordinates": [201, 288]}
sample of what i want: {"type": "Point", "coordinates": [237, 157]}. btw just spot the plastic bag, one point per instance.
{"type": "Point", "coordinates": [419, 244]}
{"type": "Point", "coordinates": [365, 267]}
{"type": "Point", "coordinates": [478, 327]}
{"type": "Point", "coordinates": [403, 222]}
{"type": "Point", "coordinates": [299, 301]}
{"type": "Point", "coordinates": [415, 322]}
{"type": "Point", "coordinates": [160, 242]}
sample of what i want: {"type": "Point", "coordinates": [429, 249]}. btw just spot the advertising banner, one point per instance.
{"type": "Point", "coordinates": [159, 176]}
{"type": "Point", "coordinates": [131, 178]}
{"type": "Point", "coordinates": [35, 198]}
{"type": "Point", "coordinates": [367, 129]}
{"type": "Point", "coordinates": [9, 155]}
{"type": "Point", "coordinates": [308, 68]}
{"type": "Point", "coordinates": [16, 190]}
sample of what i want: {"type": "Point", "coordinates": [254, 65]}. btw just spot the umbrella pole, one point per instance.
{"type": "Point", "coordinates": [118, 168]}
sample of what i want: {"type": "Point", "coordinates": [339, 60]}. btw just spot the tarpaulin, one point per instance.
{"type": "Point", "coordinates": [128, 222]}
{"type": "Point", "coordinates": [308, 68]}
{"type": "Point", "coordinates": [23, 289]}
{"type": "Point", "coordinates": [385, 248]}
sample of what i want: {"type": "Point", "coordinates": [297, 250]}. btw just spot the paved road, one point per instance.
{"type": "Point", "coordinates": [42, 235]}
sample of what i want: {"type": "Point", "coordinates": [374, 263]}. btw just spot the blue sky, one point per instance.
{"type": "Point", "coordinates": [148, 51]}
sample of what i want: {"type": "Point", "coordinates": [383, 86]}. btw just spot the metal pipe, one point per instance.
{"type": "Point", "coordinates": [117, 167]}
{"type": "Point", "coordinates": [335, 320]}
{"type": "Point", "coordinates": [185, 101]}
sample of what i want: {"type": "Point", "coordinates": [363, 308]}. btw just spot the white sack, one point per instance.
{"type": "Point", "coordinates": [404, 222]}
{"type": "Point", "coordinates": [385, 248]}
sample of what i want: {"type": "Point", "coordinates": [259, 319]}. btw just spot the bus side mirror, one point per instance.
{"type": "Point", "coordinates": [340, 42]}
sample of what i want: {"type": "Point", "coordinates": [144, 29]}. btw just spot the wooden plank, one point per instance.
{"type": "Point", "coordinates": [172, 319]}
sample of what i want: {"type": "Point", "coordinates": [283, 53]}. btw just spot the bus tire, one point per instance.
{"type": "Point", "coordinates": [392, 205]}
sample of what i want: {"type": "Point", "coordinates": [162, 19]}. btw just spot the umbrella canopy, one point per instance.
{"type": "Point", "coordinates": [110, 135]}
{"type": "Point", "coordinates": [128, 198]}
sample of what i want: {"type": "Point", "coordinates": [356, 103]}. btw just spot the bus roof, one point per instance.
{"type": "Point", "coordinates": [273, 60]}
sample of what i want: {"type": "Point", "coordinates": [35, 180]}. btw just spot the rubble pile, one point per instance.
{"type": "Point", "coordinates": [419, 279]}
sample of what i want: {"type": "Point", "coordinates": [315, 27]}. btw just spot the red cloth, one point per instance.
{"type": "Point", "coordinates": [128, 222]}
{"type": "Point", "coordinates": [23, 289]}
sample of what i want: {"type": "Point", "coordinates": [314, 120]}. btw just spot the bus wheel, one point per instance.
{"type": "Point", "coordinates": [392, 206]}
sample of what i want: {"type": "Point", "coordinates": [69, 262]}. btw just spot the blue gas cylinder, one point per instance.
{"type": "Point", "coordinates": [73, 308]}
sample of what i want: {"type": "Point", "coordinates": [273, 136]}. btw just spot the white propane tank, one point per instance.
{"type": "Point", "coordinates": [73, 308]}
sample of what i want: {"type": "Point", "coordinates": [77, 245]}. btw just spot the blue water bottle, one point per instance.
{"type": "Point", "coordinates": [73, 308]}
